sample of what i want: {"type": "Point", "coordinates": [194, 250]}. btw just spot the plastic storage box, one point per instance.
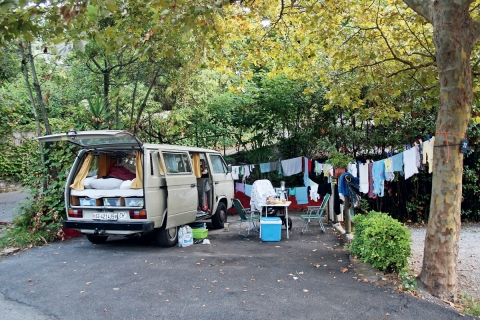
{"type": "Point", "coordinates": [113, 202]}
{"type": "Point", "coordinates": [271, 229]}
{"type": "Point", "coordinates": [87, 202]}
{"type": "Point", "coordinates": [200, 233]}
{"type": "Point", "coordinates": [134, 202]}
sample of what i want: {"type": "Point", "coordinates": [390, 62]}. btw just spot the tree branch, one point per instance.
{"type": "Point", "coordinates": [475, 31]}
{"type": "Point", "coordinates": [422, 7]}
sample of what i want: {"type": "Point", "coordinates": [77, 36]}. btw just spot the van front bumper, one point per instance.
{"type": "Point", "coordinates": [144, 226]}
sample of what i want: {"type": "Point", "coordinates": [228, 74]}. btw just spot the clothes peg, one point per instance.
{"type": "Point", "coordinates": [428, 137]}
{"type": "Point", "coordinates": [407, 146]}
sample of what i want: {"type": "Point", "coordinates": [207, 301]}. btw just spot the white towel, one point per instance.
{"type": "Point", "coordinates": [292, 166]}
{"type": "Point", "coordinates": [235, 172]}
{"type": "Point", "coordinates": [363, 178]}
{"type": "Point", "coordinates": [410, 162]}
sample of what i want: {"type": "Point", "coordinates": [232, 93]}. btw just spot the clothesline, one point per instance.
{"type": "Point", "coordinates": [372, 174]}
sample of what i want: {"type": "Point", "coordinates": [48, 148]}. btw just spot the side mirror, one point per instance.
{"type": "Point", "coordinates": [229, 168]}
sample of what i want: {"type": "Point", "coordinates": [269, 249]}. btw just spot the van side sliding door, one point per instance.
{"type": "Point", "coordinates": [182, 194]}
{"type": "Point", "coordinates": [222, 186]}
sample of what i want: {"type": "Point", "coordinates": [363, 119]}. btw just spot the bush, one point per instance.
{"type": "Point", "coordinates": [381, 241]}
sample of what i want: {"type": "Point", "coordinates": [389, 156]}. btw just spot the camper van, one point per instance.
{"type": "Point", "coordinates": [118, 185]}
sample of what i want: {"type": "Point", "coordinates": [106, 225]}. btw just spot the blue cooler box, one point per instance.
{"type": "Point", "coordinates": [271, 229]}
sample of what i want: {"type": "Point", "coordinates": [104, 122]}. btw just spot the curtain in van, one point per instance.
{"type": "Point", "coordinates": [78, 183]}
{"type": "Point", "coordinates": [196, 165]}
{"type": "Point", "coordinates": [105, 162]}
{"type": "Point", "coordinates": [137, 183]}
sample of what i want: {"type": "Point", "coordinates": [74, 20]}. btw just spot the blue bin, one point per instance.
{"type": "Point", "coordinates": [271, 229]}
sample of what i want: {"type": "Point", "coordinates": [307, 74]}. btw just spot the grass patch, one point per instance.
{"type": "Point", "coordinates": [21, 238]}
{"type": "Point", "coordinates": [470, 305]}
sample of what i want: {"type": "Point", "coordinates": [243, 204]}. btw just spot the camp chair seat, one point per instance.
{"type": "Point", "coordinates": [246, 216]}
{"type": "Point", "coordinates": [315, 213]}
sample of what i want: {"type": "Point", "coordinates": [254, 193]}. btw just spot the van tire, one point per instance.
{"type": "Point", "coordinates": [166, 237]}
{"type": "Point", "coordinates": [220, 216]}
{"type": "Point", "coordinates": [96, 239]}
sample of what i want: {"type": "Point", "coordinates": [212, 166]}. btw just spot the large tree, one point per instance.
{"type": "Point", "coordinates": [454, 35]}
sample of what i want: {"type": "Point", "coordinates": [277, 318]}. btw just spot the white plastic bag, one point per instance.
{"type": "Point", "coordinates": [188, 237]}
{"type": "Point", "coordinates": [181, 232]}
{"type": "Point", "coordinates": [185, 237]}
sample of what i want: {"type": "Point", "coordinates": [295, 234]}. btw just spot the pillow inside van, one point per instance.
{"type": "Point", "coordinates": [106, 184]}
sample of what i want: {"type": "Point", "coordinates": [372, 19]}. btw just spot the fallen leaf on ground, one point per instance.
{"type": "Point", "coordinates": [305, 290]}
{"type": "Point", "coordinates": [343, 270]}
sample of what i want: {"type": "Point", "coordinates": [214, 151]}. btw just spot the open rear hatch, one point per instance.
{"type": "Point", "coordinates": [100, 139]}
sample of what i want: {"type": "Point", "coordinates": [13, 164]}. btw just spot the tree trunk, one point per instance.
{"type": "Point", "coordinates": [38, 89]}
{"type": "Point", "coordinates": [34, 110]}
{"type": "Point", "coordinates": [454, 42]}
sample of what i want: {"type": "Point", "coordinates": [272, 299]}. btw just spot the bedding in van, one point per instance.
{"type": "Point", "coordinates": [97, 193]}
{"type": "Point", "coordinates": [105, 188]}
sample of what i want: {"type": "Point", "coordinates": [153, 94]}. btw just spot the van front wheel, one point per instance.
{"type": "Point", "coordinates": [167, 237]}
{"type": "Point", "coordinates": [220, 216]}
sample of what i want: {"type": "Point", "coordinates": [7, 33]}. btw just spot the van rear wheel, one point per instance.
{"type": "Point", "coordinates": [95, 239]}
{"type": "Point", "coordinates": [220, 216]}
{"type": "Point", "coordinates": [166, 237]}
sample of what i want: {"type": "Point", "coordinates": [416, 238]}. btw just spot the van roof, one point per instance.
{"type": "Point", "coordinates": [172, 147]}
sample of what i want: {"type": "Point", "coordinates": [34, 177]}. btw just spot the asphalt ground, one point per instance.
{"type": "Point", "coordinates": [306, 277]}
{"type": "Point", "coordinates": [10, 203]}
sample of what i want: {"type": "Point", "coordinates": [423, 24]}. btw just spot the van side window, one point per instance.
{"type": "Point", "coordinates": [177, 162]}
{"type": "Point", "coordinates": [218, 164]}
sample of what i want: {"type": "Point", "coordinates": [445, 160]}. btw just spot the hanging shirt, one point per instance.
{"type": "Point", "coordinates": [397, 162]}
{"type": "Point", "coordinates": [364, 177]}
{"type": "Point", "coordinates": [370, 181]}
{"type": "Point", "coordinates": [292, 166]}
{"type": "Point", "coordinates": [235, 172]}
{"type": "Point", "coordinates": [418, 155]}
{"type": "Point", "coordinates": [318, 168]}
{"type": "Point", "coordinates": [314, 191]}
{"type": "Point", "coordinates": [327, 170]}
{"type": "Point", "coordinates": [352, 168]}
{"type": "Point", "coordinates": [389, 175]}
{"type": "Point", "coordinates": [410, 162]}
{"type": "Point", "coordinates": [428, 153]}
{"type": "Point", "coordinates": [378, 174]}
{"type": "Point", "coordinates": [246, 171]}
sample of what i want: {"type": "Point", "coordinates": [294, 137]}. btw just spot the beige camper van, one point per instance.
{"type": "Point", "coordinates": [120, 186]}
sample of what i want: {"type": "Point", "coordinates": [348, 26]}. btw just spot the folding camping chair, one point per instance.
{"type": "Point", "coordinates": [315, 213]}
{"type": "Point", "coordinates": [246, 215]}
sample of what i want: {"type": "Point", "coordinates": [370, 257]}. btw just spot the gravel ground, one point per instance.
{"type": "Point", "coordinates": [468, 268]}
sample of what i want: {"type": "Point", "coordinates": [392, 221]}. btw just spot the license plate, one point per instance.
{"type": "Point", "coordinates": [105, 216]}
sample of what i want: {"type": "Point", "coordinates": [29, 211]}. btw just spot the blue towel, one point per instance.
{"type": "Point", "coordinates": [397, 162]}
{"type": "Point", "coordinates": [306, 180]}
{"type": "Point", "coordinates": [265, 167]}
{"type": "Point", "coordinates": [302, 195]}
{"type": "Point", "coordinates": [248, 190]}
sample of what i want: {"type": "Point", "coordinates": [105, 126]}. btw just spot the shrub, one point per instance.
{"type": "Point", "coordinates": [381, 241]}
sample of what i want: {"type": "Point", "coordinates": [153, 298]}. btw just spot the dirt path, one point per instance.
{"type": "Point", "coordinates": [468, 267]}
